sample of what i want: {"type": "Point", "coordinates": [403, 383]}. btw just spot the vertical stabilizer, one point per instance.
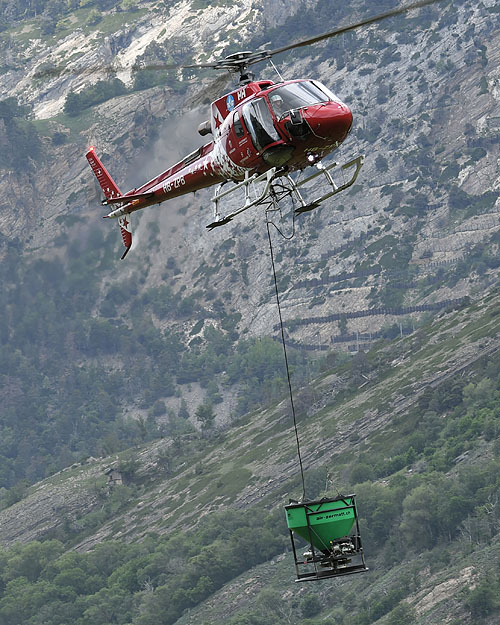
{"type": "Point", "coordinates": [108, 185]}
{"type": "Point", "coordinates": [110, 190]}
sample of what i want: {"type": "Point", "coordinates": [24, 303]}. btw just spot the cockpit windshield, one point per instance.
{"type": "Point", "coordinates": [299, 94]}
{"type": "Point", "coordinates": [259, 122]}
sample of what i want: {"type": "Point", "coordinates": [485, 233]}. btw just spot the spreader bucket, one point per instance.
{"type": "Point", "coordinates": [331, 528]}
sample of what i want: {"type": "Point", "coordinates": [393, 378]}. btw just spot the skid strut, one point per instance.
{"type": "Point", "coordinates": [272, 186]}
{"type": "Point", "coordinates": [249, 185]}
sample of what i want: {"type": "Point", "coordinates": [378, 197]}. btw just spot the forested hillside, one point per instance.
{"type": "Point", "coordinates": [48, 316]}
{"type": "Point", "coordinates": [421, 450]}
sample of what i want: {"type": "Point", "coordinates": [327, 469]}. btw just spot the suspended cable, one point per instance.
{"type": "Point", "coordinates": [268, 223]}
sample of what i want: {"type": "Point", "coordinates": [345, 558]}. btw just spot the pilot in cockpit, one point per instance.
{"type": "Point", "coordinates": [278, 104]}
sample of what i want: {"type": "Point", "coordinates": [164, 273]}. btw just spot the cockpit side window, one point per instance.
{"type": "Point", "coordinates": [238, 126]}
{"type": "Point", "coordinates": [259, 122]}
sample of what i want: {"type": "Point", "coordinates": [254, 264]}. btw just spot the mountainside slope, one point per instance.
{"type": "Point", "coordinates": [423, 424]}
{"type": "Point", "coordinates": [146, 444]}
{"type": "Point", "coordinates": [252, 461]}
{"type": "Point", "coordinates": [419, 229]}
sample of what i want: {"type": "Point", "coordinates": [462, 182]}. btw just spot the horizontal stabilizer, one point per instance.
{"type": "Point", "coordinates": [128, 198]}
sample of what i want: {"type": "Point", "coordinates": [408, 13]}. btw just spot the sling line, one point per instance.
{"type": "Point", "coordinates": [268, 223]}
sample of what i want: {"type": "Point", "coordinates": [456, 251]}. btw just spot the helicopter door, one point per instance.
{"type": "Point", "coordinates": [259, 122]}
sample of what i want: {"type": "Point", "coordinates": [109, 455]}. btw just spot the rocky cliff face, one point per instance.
{"type": "Point", "coordinates": [424, 95]}
{"type": "Point", "coordinates": [417, 233]}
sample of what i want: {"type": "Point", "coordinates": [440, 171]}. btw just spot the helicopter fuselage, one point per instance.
{"type": "Point", "coordinates": [261, 132]}
{"type": "Point", "coordinates": [256, 127]}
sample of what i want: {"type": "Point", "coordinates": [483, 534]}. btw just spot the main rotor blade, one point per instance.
{"type": "Point", "coordinates": [51, 72]}
{"type": "Point", "coordinates": [345, 29]}
{"type": "Point", "coordinates": [227, 63]}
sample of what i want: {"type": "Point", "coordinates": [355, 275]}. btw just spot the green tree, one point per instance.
{"type": "Point", "coordinates": [75, 578]}
{"type": "Point", "coordinates": [381, 164]}
{"type": "Point", "coordinates": [420, 520]}
{"type": "Point", "coordinates": [483, 599]}
{"type": "Point", "coordinates": [310, 605]}
{"type": "Point", "coordinates": [109, 605]}
{"type": "Point", "coordinates": [94, 17]}
{"type": "Point", "coordinates": [361, 472]}
{"type": "Point", "coordinates": [402, 614]}
{"type": "Point", "coordinates": [164, 460]}
{"type": "Point", "coordinates": [73, 105]}
{"type": "Point", "coordinates": [29, 560]}
{"type": "Point", "coordinates": [128, 466]}
{"type": "Point", "coordinates": [183, 410]}
{"type": "Point", "coordinates": [205, 415]}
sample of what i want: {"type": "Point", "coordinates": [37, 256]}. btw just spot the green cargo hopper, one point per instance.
{"type": "Point", "coordinates": [331, 528]}
{"type": "Point", "coordinates": [320, 522]}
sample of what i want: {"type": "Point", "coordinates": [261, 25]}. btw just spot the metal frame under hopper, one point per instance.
{"type": "Point", "coordinates": [336, 556]}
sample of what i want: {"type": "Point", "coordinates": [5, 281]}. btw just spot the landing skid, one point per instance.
{"type": "Point", "coordinates": [277, 184]}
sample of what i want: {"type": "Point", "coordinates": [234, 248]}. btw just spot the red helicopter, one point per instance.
{"type": "Point", "coordinates": [262, 132]}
